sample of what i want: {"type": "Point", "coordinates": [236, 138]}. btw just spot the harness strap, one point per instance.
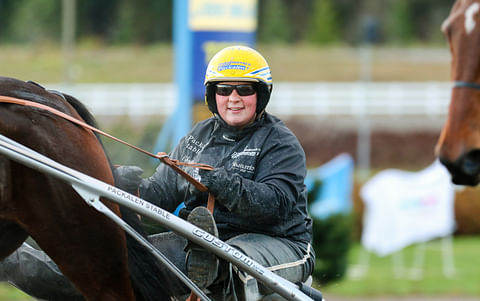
{"type": "Point", "coordinates": [462, 84]}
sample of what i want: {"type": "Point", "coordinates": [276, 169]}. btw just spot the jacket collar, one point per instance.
{"type": "Point", "coordinates": [231, 133]}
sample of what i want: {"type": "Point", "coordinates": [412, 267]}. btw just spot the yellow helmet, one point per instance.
{"type": "Point", "coordinates": [238, 63]}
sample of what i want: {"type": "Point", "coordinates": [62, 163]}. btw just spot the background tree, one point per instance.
{"type": "Point", "coordinates": [144, 21]}
{"type": "Point", "coordinates": [6, 9]}
{"type": "Point", "coordinates": [400, 23]}
{"type": "Point", "coordinates": [323, 23]}
{"type": "Point", "coordinates": [428, 15]}
{"type": "Point", "coordinates": [97, 18]}
{"type": "Point", "coordinates": [273, 22]}
{"type": "Point", "coordinates": [284, 21]}
{"type": "Point", "coordinates": [34, 21]}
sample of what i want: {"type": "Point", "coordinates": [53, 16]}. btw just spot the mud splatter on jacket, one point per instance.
{"type": "Point", "coordinates": [262, 190]}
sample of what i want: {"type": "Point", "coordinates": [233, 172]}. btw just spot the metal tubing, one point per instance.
{"type": "Point", "coordinates": [37, 161]}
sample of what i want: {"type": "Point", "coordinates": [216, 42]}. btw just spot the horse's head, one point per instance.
{"type": "Point", "coordinates": [458, 147]}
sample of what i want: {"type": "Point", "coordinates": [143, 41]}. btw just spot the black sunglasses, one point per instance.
{"type": "Point", "coordinates": [242, 89]}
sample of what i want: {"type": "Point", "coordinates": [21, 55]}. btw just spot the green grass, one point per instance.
{"type": "Point", "coordinates": [10, 293]}
{"type": "Point", "coordinates": [380, 279]}
{"type": "Point", "coordinates": [92, 62]}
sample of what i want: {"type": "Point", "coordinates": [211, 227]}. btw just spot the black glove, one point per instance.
{"type": "Point", "coordinates": [128, 178]}
{"type": "Point", "coordinates": [226, 187]}
{"type": "Point", "coordinates": [214, 179]}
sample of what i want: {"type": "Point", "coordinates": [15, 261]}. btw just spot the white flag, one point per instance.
{"type": "Point", "coordinates": [402, 208]}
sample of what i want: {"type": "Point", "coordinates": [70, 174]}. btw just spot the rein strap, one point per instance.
{"type": "Point", "coordinates": [163, 157]}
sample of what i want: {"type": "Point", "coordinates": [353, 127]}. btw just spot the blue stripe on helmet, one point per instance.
{"type": "Point", "coordinates": [260, 70]}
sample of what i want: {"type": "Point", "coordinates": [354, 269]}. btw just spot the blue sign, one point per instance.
{"type": "Point", "coordinates": [336, 184]}
{"type": "Point", "coordinates": [200, 29]}
{"type": "Point", "coordinates": [216, 24]}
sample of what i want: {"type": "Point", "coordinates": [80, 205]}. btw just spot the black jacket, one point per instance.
{"type": "Point", "coordinates": [264, 189]}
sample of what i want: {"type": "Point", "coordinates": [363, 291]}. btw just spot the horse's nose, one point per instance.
{"type": "Point", "coordinates": [466, 169]}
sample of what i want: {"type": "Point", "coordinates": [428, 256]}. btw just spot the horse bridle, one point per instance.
{"type": "Point", "coordinates": [462, 84]}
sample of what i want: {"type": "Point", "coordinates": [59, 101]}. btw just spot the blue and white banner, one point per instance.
{"type": "Point", "coordinates": [403, 208]}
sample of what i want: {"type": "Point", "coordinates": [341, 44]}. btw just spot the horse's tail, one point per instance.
{"type": "Point", "coordinates": [151, 281]}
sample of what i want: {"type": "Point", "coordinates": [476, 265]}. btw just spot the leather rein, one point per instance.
{"type": "Point", "coordinates": [162, 156]}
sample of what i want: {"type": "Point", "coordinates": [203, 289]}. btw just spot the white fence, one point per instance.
{"type": "Point", "coordinates": [316, 99]}
{"type": "Point", "coordinates": [124, 99]}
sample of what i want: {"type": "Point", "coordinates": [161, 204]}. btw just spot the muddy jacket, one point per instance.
{"type": "Point", "coordinates": [264, 179]}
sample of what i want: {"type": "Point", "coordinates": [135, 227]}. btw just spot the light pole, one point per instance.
{"type": "Point", "coordinates": [364, 131]}
{"type": "Point", "coordinates": [68, 38]}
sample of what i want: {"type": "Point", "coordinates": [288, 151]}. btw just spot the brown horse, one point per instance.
{"type": "Point", "coordinates": [88, 248]}
{"type": "Point", "coordinates": [458, 147]}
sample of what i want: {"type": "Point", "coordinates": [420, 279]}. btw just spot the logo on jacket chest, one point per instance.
{"type": "Point", "coordinates": [245, 160]}
{"type": "Point", "coordinates": [249, 152]}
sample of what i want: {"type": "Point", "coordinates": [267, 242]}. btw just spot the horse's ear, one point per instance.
{"type": "Point", "coordinates": [35, 84]}
{"type": "Point", "coordinates": [55, 92]}
{"type": "Point", "coordinates": [80, 108]}
{"type": "Point", "coordinates": [58, 93]}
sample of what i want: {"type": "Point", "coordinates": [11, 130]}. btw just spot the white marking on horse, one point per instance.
{"type": "Point", "coordinates": [469, 14]}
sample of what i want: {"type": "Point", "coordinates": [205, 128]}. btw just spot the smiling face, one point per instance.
{"type": "Point", "coordinates": [236, 110]}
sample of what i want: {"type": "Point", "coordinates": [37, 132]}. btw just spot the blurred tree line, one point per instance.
{"type": "Point", "coordinates": [279, 21]}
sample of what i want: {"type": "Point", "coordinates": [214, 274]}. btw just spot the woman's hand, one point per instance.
{"type": "Point", "coordinates": [128, 178]}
